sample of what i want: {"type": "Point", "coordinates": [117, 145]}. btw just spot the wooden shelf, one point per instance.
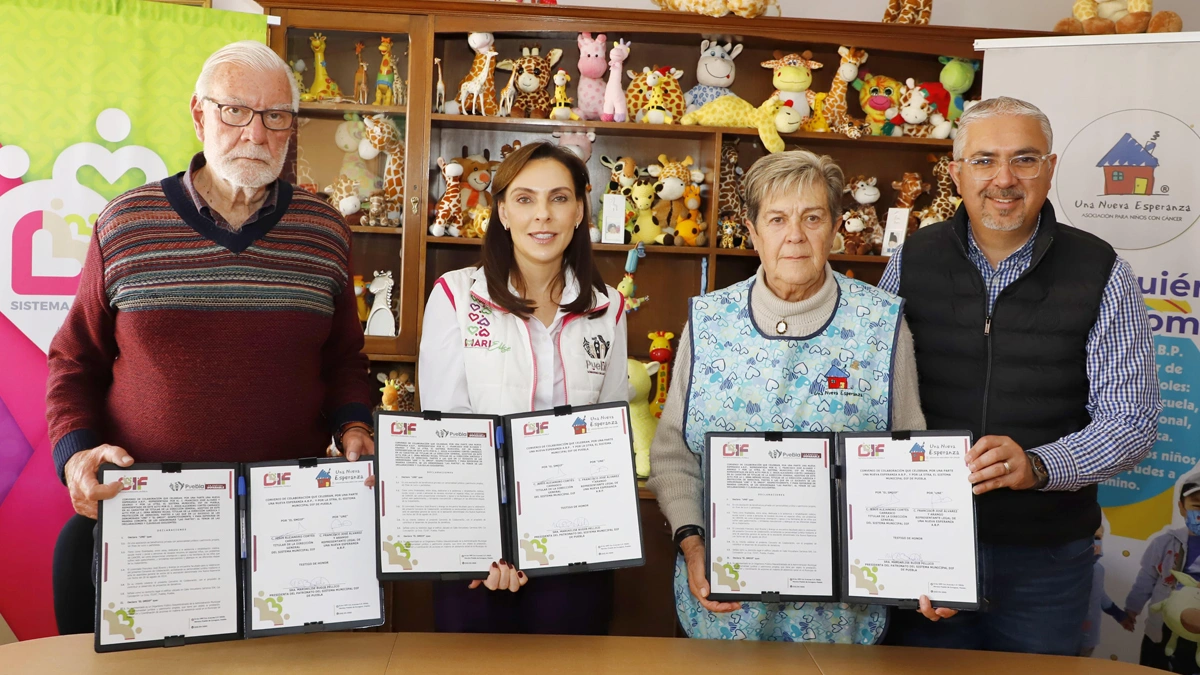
{"type": "Point", "coordinates": [339, 109]}
{"type": "Point", "coordinates": [453, 241]}
{"type": "Point", "coordinates": [377, 230]}
{"type": "Point", "coordinates": [393, 358]}
{"type": "Point", "coordinates": [478, 122]}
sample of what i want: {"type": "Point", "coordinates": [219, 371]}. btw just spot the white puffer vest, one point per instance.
{"type": "Point", "coordinates": [498, 351]}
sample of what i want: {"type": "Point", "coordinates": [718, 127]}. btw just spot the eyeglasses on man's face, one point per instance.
{"type": "Point", "coordinates": [239, 116]}
{"type": "Point", "coordinates": [1022, 167]}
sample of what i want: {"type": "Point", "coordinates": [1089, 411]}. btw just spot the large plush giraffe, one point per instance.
{"type": "Point", "coordinates": [482, 95]}
{"type": "Point", "coordinates": [915, 12]}
{"type": "Point", "coordinates": [382, 135]}
{"type": "Point", "coordinates": [448, 218]}
{"type": "Point", "coordinates": [837, 114]}
{"type": "Point", "coordinates": [387, 74]}
{"type": "Point", "coordinates": [945, 203]}
{"type": "Point", "coordinates": [323, 86]}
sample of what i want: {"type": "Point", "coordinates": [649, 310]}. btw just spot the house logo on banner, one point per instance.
{"type": "Point", "coordinates": [45, 225]}
{"type": "Point", "coordinates": [1127, 176]}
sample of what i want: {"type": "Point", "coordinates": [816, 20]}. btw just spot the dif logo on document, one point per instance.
{"type": "Point", "coordinates": [735, 449]}
{"type": "Point", "coordinates": [134, 483]}
{"type": "Point", "coordinates": [536, 428]}
{"type": "Point", "coordinates": [279, 479]}
{"type": "Point", "coordinates": [404, 428]}
{"type": "Point", "coordinates": [870, 450]}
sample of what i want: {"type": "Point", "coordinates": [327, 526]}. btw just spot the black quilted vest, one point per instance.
{"type": "Point", "coordinates": [1021, 372]}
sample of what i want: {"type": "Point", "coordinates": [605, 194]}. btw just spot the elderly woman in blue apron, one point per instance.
{"type": "Point", "coordinates": [753, 357]}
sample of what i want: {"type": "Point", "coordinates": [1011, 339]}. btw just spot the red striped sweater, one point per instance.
{"type": "Point", "coordinates": [190, 342]}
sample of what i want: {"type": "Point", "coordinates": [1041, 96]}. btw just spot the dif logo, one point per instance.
{"type": "Point", "coordinates": [735, 449]}
{"type": "Point", "coordinates": [536, 428]}
{"type": "Point", "coordinates": [404, 428]}
{"type": "Point", "coordinates": [276, 479]}
{"type": "Point", "coordinates": [134, 482]}
{"type": "Point", "coordinates": [869, 450]}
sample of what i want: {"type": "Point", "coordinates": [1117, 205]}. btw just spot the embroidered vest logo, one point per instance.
{"type": "Point", "coordinates": [479, 335]}
{"type": "Point", "coordinates": [597, 348]}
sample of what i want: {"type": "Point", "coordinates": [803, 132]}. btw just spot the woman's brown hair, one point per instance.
{"type": "Point", "coordinates": [499, 262]}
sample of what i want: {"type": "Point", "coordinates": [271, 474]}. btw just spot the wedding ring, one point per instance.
{"type": "Point", "coordinates": [1007, 468]}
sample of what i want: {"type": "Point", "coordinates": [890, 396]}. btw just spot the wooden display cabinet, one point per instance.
{"type": "Point", "coordinates": [430, 30]}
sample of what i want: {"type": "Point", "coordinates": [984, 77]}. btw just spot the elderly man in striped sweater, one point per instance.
{"type": "Point", "coordinates": [215, 318]}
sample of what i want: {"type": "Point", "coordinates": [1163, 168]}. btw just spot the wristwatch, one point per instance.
{"type": "Point", "coordinates": [347, 427]}
{"type": "Point", "coordinates": [1040, 475]}
{"type": "Point", "coordinates": [686, 531]}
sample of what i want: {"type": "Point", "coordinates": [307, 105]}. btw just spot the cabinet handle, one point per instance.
{"type": "Point", "coordinates": [415, 203]}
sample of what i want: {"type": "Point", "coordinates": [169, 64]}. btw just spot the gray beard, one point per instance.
{"type": "Point", "coordinates": [224, 169]}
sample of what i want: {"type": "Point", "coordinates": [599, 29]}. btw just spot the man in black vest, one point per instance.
{"type": "Point", "coordinates": [1033, 335]}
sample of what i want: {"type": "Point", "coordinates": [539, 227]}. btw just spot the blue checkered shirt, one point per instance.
{"type": "Point", "coordinates": [1123, 397]}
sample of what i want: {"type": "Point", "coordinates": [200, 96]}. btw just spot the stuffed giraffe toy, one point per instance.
{"type": "Point", "coordinates": [343, 194]}
{"type": "Point", "coordinates": [615, 108]}
{"type": "Point", "coordinates": [381, 135]}
{"type": "Point", "coordinates": [792, 76]}
{"type": "Point", "coordinates": [641, 417]}
{"type": "Point", "coordinates": [909, 187]}
{"type": "Point", "coordinates": [323, 87]}
{"type": "Point", "coordinates": [637, 95]}
{"type": "Point", "coordinates": [448, 214]}
{"type": "Point", "coordinates": [562, 104]}
{"type": "Point", "coordinates": [837, 114]}
{"type": "Point", "coordinates": [360, 75]}
{"type": "Point", "coordinates": [387, 74]}
{"type": "Point", "coordinates": [914, 12]}
{"type": "Point", "coordinates": [655, 110]}
{"type": "Point", "coordinates": [864, 192]}
{"type": "Point", "coordinates": [945, 203]}
{"type": "Point", "coordinates": [532, 72]}
{"type": "Point", "coordinates": [733, 111]}
{"type": "Point", "coordinates": [917, 116]}
{"type": "Point", "coordinates": [477, 90]}
{"type": "Point", "coordinates": [729, 192]}
{"type": "Point", "coordinates": [645, 226]}
{"type": "Point", "coordinates": [661, 353]}
{"type": "Point", "coordinates": [591, 66]}
{"type": "Point", "coordinates": [673, 178]}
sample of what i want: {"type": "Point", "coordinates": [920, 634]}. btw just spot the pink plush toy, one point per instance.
{"type": "Point", "coordinates": [614, 96]}
{"type": "Point", "coordinates": [592, 65]}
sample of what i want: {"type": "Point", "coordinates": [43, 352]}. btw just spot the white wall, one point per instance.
{"type": "Point", "coordinates": [249, 6]}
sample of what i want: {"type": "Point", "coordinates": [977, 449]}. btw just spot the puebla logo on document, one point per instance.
{"type": "Point", "coordinates": [1128, 177]}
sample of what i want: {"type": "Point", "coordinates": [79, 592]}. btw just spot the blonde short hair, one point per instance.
{"type": "Point", "coordinates": [793, 172]}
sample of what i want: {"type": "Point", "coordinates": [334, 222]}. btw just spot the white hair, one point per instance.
{"type": "Point", "coordinates": [999, 107]}
{"type": "Point", "coordinates": [249, 54]}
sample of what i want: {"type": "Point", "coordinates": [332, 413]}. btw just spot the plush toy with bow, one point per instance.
{"type": "Point", "coordinates": [792, 77]}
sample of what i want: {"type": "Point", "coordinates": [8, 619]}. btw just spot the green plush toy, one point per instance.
{"type": "Point", "coordinates": [958, 74]}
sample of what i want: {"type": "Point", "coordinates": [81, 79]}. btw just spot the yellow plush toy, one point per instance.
{"type": "Point", "coordinates": [642, 420]}
{"type": "Point", "coordinates": [1090, 17]}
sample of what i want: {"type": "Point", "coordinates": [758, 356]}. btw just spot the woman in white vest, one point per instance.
{"type": "Point", "coordinates": [792, 326]}
{"type": "Point", "coordinates": [532, 327]}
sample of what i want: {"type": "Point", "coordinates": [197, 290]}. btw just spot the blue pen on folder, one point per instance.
{"type": "Point", "coordinates": [241, 491]}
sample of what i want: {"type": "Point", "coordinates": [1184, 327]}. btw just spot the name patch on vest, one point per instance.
{"type": "Point", "coordinates": [479, 335]}
{"type": "Point", "coordinates": [597, 348]}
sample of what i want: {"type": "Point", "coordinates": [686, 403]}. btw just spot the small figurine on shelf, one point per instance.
{"type": "Point", "coordinates": [382, 135]}
{"type": "Point", "coordinates": [323, 87]}
{"type": "Point", "coordinates": [507, 96]}
{"type": "Point", "coordinates": [562, 103]}
{"type": "Point", "coordinates": [376, 215]}
{"type": "Point", "coordinates": [915, 12]}
{"type": "Point", "coordinates": [360, 301]}
{"type": "Point", "coordinates": [360, 75]}
{"type": "Point", "coordinates": [477, 90]}
{"type": "Point", "coordinates": [864, 192]}
{"type": "Point", "coordinates": [728, 229]}
{"type": "Point", "coordinates": [656, 111]}
{"type": "Point", "coordinates": [731, 111]}
{"type": "Point", "coordinates": [729, 193]}
{"type": "Point", "coordinates": [591, 66]}
{"type": "Point", "coordinates": [645, 226]}
{"type": "Point", "coordinates": [627, 288]}
{"type": "Point", "coordinates": [380, 321]}
{"type": "Point", "coordinates": [614, 96]}
{"type": "Point", "coordinates": [714, 73]}
{"type": "Point", "coordinates": [909, 188]}
{"type": "Point", "coordinates": [661, 353]}
{"type": "Point", "coordinates": [637, 95]}
{"type": "Point", "coordinates": [439, 101]}
{"type": "Point", "coordinates": [578, 142]}
{"type": "Point", "coordinates": [387, 75]}
{"type": "Point", "coordinates": [792, 77]}
{"type": "Point", "coordinates": [343, 194]}
{"type": "Point", "coordinates": [533, 74]}
{"type": "Point", "coordinates": [837, 114]}
{"type": "Point", "coordinates": [918, 115]}
{"type": "Point", "coordinates": [641, 418]}
{"type": "Point", "coordinates": [877, 94]}
{"type": "Point", "coordinates": [399, 85]}
{"type": "Point", "coordinates": [448, 218]}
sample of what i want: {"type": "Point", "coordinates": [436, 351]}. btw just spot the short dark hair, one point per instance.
{"type": "Point", "coordinates": [499, 263]}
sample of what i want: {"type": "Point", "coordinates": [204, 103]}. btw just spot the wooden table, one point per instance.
{"type": "Point", "coordinates": [434, 654]}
